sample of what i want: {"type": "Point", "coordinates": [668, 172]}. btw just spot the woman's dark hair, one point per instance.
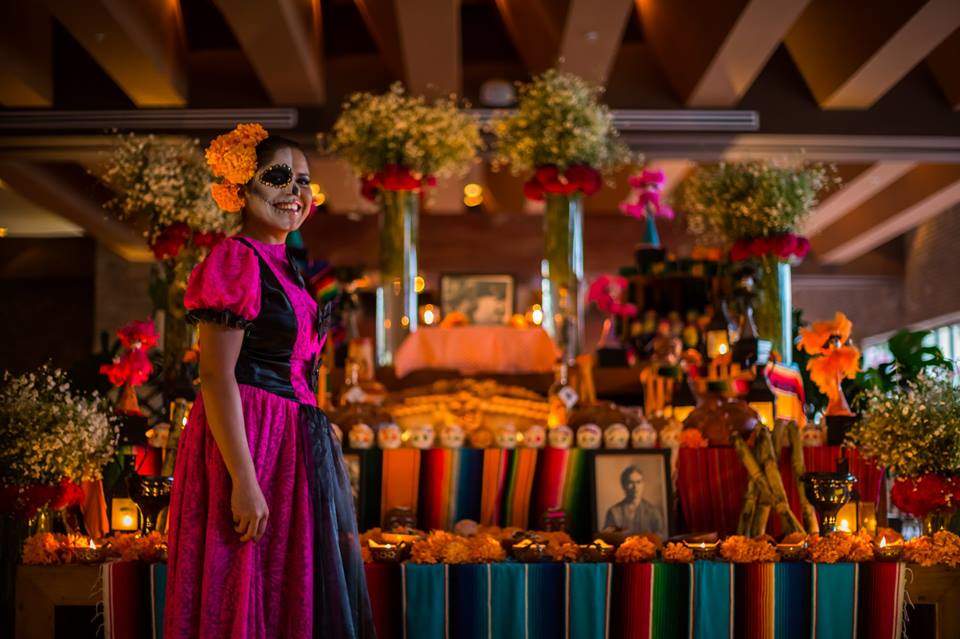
{"type": "Point", "coordinates": [272, 144]}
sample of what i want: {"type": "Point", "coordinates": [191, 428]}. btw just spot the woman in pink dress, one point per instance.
{"type": "Point", "coordinates": [263, 539]}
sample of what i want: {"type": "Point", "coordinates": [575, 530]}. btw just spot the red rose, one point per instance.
{"type": "Point", "coordinates": [546, 173]}
{"type": "Point", "coordinates": [170, 241]}
{"type": "Point", "coordinates": [786, 245]}
{"type": "Point", "coordinates": [921, 496]}
{"type": "Point", "coordinates": [761, 246]}
{"type": "Point", "coordinates": [740, 251]}
{"type": "Point", "coordinates": [395, 177]}
{"type": "Point", "coordinates": [533, 190]}
{"type": "Point", "coordinates": [584, 177]}
{"type": "Point", "coordinates": [803, 247]}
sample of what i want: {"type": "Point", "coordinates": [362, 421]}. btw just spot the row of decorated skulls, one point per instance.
{"type": "Point", "coordinates": [590, 436]}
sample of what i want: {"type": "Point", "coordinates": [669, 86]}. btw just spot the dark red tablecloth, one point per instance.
{"type": "Point", "coordinates": [711, 483]}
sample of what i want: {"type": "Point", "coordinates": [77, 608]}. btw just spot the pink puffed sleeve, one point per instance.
{"type": "Point", "coordinates": [225, 287]}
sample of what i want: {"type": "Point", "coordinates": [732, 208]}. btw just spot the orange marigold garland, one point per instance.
{"type": "Point", "coordinates": [635, 549]}
{"type": "Point", "coordinates": [677, 553]}
{"type": "Point", "coordinates": [233, 157]}
{"type": "Point", "coordinates": [841, 546]}
{"type": "Point", "coordinates": [943, 548]}
{"type": "Point", "coordinates": [742, 550]}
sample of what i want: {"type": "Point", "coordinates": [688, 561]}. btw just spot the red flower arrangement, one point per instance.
{"type": "Point", "coordinates": [394, 177]}
{"type": "Point", "coordinates": [169, 242]}
{"type": "Point", "coordinates": [646, 196]}
{"type": "Point", "coordinates": [207, 240]}
{"type": "Point", "coordinates": [605, 292]}
{"type": "Point", "coordinates": [923, 495]}
{"type": "Point", "coordinates": [784, 246]}
{"type": "Point", "coordinates": [549, 180]}
{"type": "Point", "coordinates": [132, 367]}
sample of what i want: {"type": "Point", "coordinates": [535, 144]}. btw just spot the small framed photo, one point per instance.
{"type": "Point", "coordinates": [483, 299]}
{"type": "Point", "coordinates": [631, 490]}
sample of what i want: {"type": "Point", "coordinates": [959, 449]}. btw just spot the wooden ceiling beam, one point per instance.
{"type": "Point", "coordinates": [918, 195]}
{"type": "Point", "coordinates": [282, 40]}
{"type": "Point", "coordinates": [855, 192]}
{"type": "Point", "coordinates": [944, 63]}
{"type": "Point", "coordinates": [380, 17]}
{"type": "Point", "coordinates": [851, 53]}
{"type": "Point", "coordinates": [60, 192]}
{"type": "Point", "coordinates": [592, 37]}
{"type": "Point", "coordinates": [26, 54]}
{"type": "Point", "coordinates": [139, 44]}
{"type": "Point", "coordinates": [535, 28]}
{"type": "Point", "coordinates": [712, 52]}
{"type": "Point", "coordinates": [430, 39]}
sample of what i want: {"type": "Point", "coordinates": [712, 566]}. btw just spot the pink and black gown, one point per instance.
{"type": "Point", "coordinates": [305, 577]}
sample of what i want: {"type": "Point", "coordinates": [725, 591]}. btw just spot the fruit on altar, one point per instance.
{"type": "Point", "coordinates": [481, 438]}
{"type": "Point", "coordinates": [720, 418]}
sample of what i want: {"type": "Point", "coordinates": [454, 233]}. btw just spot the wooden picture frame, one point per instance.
{"type": "Point", "coordinates": [610, 488]}
{"type": "Point", "coordinates": [486, 299]}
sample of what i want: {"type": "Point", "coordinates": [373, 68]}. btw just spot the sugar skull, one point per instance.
{"type": "Point", "coordinates": [670, 434]}
{"type": "Point", "coordinates": [388, 437]}
{"type": "Point", "coordinates": [589, 436]}
{"type": "Point", "coordinates": [534, 437]}
{"type": "Point", "coordinates": [422, 437]}
{"type": "Point", "coordinates": [560, 437]}
{"type": "Point", "coordinates": [643, 435]}
{"type": "Point", "coordinates": [506, 437]}
{"type": "Point", "coordinates": [360, 436]}
{"type": "Point", "coordinates": [813, 436]}
{"type": "Point", "coordinates": [616, 436]}
{"type": "Point", "coordinates": [452, 436]}
{"type": "Point", "coordinates": [481, 438]}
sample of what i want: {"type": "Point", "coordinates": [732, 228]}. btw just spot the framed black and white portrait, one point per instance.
{"type": "Point", "coordinates": [483, 299]}
{"type": "Point", "coordinates": [631, 491]}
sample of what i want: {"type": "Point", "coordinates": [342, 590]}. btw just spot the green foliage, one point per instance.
{"type": "Point", "coordinates": [910, 359]}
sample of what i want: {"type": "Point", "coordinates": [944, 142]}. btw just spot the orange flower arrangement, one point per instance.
{"type": "Point", "coordinates": [834, 359]}
{"type": "Point", "coordinates": [635, 549]}
{"type": "Point", "coordinates": [677, 553]}
{"type": "Point", "coordinates": [53, 548]}
{"type": "Point", "coordinates": [233, 157]}
{"type": "Point", "coordinates": [840, 546]}
{"type": "Point", "coordinates": [943, 548]}
{"type": "Point", "coordinates": [743, 550]}
{"type": "Point", "coordinates": [444, 547]}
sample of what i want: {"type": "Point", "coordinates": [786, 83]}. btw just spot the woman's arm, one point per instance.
{"type": "Point", "coordinates": [219, 350]}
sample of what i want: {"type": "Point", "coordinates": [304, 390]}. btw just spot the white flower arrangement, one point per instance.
{"type": "Point", "coordinates": [559, 121]}
{"type": "Point", "coordinates": [49, 432]}
{"type": "Point", "coordinates": [166, 180]}
{"type": "Point", "coordinates": [732, 201]}
{"type": "Point", "coordinates": [913, 429]}
{"type": "Point", "coordinates": [375, 131]}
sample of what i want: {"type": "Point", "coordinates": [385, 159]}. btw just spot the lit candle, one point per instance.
{"type": "Point", "coordinates": [844, 526]}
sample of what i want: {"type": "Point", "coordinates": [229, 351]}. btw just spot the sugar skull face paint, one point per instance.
{"type": "Point", "coordinates": [277, 176]}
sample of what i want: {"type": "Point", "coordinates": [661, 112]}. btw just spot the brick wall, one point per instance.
{"type": "Point", "coordinates": [932, 268]}
{"type": "Point", "coordinates": [121, 293]}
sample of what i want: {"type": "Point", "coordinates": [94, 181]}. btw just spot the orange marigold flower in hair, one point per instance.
{"type": "Point", "coordinates": [233, 155]}
{"type": "Point", "coordinates": [227, 196]}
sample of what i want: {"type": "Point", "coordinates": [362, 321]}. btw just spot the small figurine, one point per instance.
{"type": "Point", "coordinates": [452, 436]}
{"type": "Point", "coordinates": [481, 438]}
{"type": "Point", "coordinates": [422, 437]}
{"type": "Point", "coordinates": [616, 436]}
{"type": "Point", "coordinates": [589, 436]}
{"type": "Point", "coordinates": [534, 437]}
{"type": "Point", "coordinates": [507, 437]}
{"type": "Point", "coordinates": [388, 437]}
{"type": "Point", "coordinates": [360, 437]}
{"type": "Point", "coordinates": [560, 437]}
{"type": "Point", "coordinates": [813, 436]}
{"type": "Point", "coordinates": [643, 435]}
{"type": "Point", "coordinates": [337, 432]}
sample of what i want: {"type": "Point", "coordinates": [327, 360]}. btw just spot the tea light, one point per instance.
{"type": "Point", "coordinates": [792, 552]}
{"type": "Point", "coordinates": [88, 555]}
{"type": "Point", "coordinates": [888, 551]}
{"type": "Point", "coordinates": [844, 526]}
{"type": "Point", "coordinates": [703, 549]}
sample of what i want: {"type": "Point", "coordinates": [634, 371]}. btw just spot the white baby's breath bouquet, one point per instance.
{"type": "Point", "coordinates": [914, 429]}
{"type": "Point", "coordinates": [50, 432]}
{"type": "Point", "coordinates": [560, 122]}
{"type": "Point", "coordinates": [735, 200]}
{"type": "Point", "coordinates": [167, 181]}
{"type": "Point", "coordinates": [377, 131]}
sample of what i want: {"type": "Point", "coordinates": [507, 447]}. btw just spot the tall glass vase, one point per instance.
{"type": "Point", "coordinates": [397, 294]}
{"type": "Point", "coordinates": [774, 303]}
{"type": "Point", "coordinates": [563, 271]}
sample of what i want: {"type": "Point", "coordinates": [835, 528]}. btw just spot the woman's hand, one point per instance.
{"type": "Point", "coordinates": [250, 512]}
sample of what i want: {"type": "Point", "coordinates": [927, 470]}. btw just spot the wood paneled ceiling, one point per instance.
{"type": "Point", "coordinates": [873, 85]}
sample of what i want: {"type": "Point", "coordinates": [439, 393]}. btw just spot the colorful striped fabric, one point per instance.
{"type": "Point", "coordinates": [124, 584]}
{"type": "Point", "coordinates": [401, 480]}
{"type": "Point", "coordinates": [384, 583]}
{"type": "Point", "coordinates": [560, 482]}
{"type": "Point", "coordinates": [507, 483]}
{"type": "Point", "coordinates": [881, 601]}
{"type": "Point", "coordinates": [588, 600]}
{"type": "Point", "coordinates": [834, 598]}
{"type": "Point", "coordinates": [713, 600]}
{"type": "Point", "coordinates": [772, 600]}
{"type": "Point", "coordinates": [425, 601]}
{"type": "Point", "coordinates": [450, 487]}
{"type": "Point", "coordinates": [158, 593]}
{"type": "Point", "coordinates": [652, 601]}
